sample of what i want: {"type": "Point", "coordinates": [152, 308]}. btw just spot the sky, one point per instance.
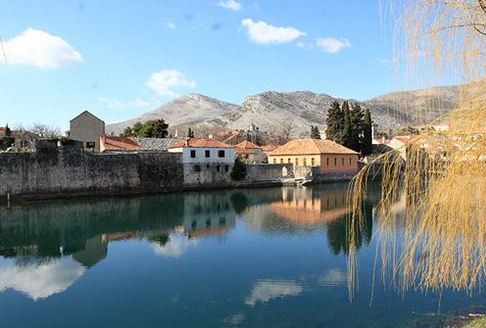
{"type": "Point", "coordinates": [119, 59]}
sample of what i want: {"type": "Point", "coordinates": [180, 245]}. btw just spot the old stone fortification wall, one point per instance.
{"type": "Point", "coordinates": [68, 171]}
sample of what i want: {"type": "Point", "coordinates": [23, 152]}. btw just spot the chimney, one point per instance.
{"type": "Point", "coordinates": [186, 143]}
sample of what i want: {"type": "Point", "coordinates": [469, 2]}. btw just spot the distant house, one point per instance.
{"type": "Point", "coordinates": [87, 128]}
{"type": "Point", "coordinates": [205, 160]}
{"type": "Point", "coordinates": [250, 153]}
{"type": "Point", "coordinates": [330, 157]}
{"type": "Point", "coordinates": [133, 144]}
{"type": "Point", "coordinates": [400, 143]}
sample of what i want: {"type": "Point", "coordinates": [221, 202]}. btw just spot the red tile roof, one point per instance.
{"type": "Point", "coordinates": [311, 147]}
{"type": "Point", "coordinates": [119, 143]}
{"type": "Point", "coordinates": [200, 143]}
{"type": "Point", "coordinates": [247, 145]}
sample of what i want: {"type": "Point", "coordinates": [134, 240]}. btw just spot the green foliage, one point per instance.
{"type": "Point", "coordinates": [315, 134]}
{"type": "Point", "coordinates": [348, 129]}
{"type": "Point", "coordinates": [366, 141]}
{"type": "Point", "coordinates": [148, 129]}
{"type": "Point", "coordinates": [335, 123]}
{"type": "Point", "coordinates": [6, 142]}
{"type": "Point", "coordinates": [190, 133]}
{"type": "Point", "coordinates": [239, 170]}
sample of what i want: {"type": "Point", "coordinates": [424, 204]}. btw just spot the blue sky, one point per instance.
{"type": "Point", "coordinates": [119, 59]}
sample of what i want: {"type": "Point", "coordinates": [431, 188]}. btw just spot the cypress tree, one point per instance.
{"type": "Point", "coordinates": [8, 132]}
{"type": "Point", "coordinates": [315, 134]}
{"type": "Point", "coordinates": [347, 137]}
{"type": "Point", "coordinates": [335, 123]}
{"type": "Point", "coordinates": [367, 142]}
{"type": "Point", "coordinates": [190, 133]}
{"type": "Point", "coordinates": [356, 119]}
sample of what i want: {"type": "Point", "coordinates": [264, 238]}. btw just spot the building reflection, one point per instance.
{"type": "Point", "coordinates": [305, 206]}
{"type": "Point", "coordinates": [66, 239]}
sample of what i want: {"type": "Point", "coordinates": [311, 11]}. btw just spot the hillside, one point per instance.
{"type": "Point", "coordinates": [303, 108]}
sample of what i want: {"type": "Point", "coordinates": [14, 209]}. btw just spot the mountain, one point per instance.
{"type": "Point", "coordinates": [303, 108]}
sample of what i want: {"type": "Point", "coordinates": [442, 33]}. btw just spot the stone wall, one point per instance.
{"type": "Point", "coordinates": [53, 171]}
{"type": "Point", "coordinates": [268, 172]}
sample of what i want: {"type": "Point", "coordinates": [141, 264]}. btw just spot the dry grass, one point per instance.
{"type": "Point", "coordinates": [442, 184]}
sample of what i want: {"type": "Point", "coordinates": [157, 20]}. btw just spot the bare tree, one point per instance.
{"type": "Point", "coordinates": [39, 131]}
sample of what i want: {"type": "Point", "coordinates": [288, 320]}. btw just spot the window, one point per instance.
{"type": "Point", "coordinates": [208, 153]}
{"type": "Point", "coordinates": [289, 161]}
{"type": "Point", "coordinates": [327, 160]}
{"type": "Point", "coordinates": [274, 161]}
{"type": "Point", "coordinates": [197, 168]}
{"type": "Point", "coordinates": [349, 161]}
{"type": "Point", "coordinates": [313, 161]}
{"type": "Point", "coordinates": [193, 154]}
{"type": "Point", "coordinates": [335, 161]}
{"type": "Point", "coordinates": [305, 161]}
{"type": "Point", "coordinates": [281, 161]}
{"type": "Point", "coordinates": [296, 161]}
{"type": "Point", "coordinates": [342, 161]}
{"type": "Point", "coordinates": [220, 153]}
{"type": "Point", "coordinates": [218, 168]}
{"type": "Point", "coordinates": [226, 168]}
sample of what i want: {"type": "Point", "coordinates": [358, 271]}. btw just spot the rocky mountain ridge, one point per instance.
{"type": "Point", "coordinates": [304, 108]}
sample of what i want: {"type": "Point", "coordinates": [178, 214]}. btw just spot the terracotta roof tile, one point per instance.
{"type": "Point", "coordinates": [119, 143]}
{"type": "Point", "coordinates": [247, 145]}
{"type": "Point", "coordinates": [311, 147]}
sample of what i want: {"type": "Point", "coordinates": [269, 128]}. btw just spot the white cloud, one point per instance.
{"type": "Point", "coordinates": [175, 247]}
{"type": "Point", "coordinates": [40, 280]}
{"type": "Point", "coordinates": [263, 33]}
{"type": "Point", "coordinates": [331, 45]}
{"type": "Point", "coordinates": [140, 103]}
{"type": "Point", "coordinates": [171, 26]}
{"type": "Point", "coordinates": [230, 4]}
{"type": "Point", "coordinates": [111, 103]}
{"type": "Point", "coordinates": [266, 290]}
{"type": "Point", "coordinates": [41, 49]}
{"type": "Point", "coordinates": [333, 277]}
{"type": "Point", "coordinates": [165, 81]}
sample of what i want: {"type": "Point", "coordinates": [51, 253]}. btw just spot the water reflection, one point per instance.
{"type": "Point", "coordinates": [47, 246]}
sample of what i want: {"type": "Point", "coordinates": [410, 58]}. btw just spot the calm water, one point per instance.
{"type": "Point", "coordinates": [256, 258]}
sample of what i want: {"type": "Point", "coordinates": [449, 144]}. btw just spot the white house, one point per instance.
{"type": "Point", "coordinates": [205, 160]}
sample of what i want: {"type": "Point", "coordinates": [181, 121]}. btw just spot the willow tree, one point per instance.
{"type": "Point", "coordinates": [440, 187]}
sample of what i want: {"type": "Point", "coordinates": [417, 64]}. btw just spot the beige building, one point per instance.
{"type": "Point", "coordinates": [87, 128]}
{"type": "Point", "coordinates": [329, 156]}
{"type": "Point", "coordinates": [249, 152]}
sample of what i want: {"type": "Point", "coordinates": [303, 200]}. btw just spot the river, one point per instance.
{"type": "Point", "coordinates": [240, 258]}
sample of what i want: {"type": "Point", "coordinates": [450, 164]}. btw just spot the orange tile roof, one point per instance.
{"type": "Point", "coordinates": [269, 148]}
{"type": "Point", "coordinates": [311, 147]}
{"type": "Point", "coordinates": [119, 143]}
{"type": "Point", "coordinates": [200, 143]}
{"type": "Point", "coordinates": [247, 145]}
